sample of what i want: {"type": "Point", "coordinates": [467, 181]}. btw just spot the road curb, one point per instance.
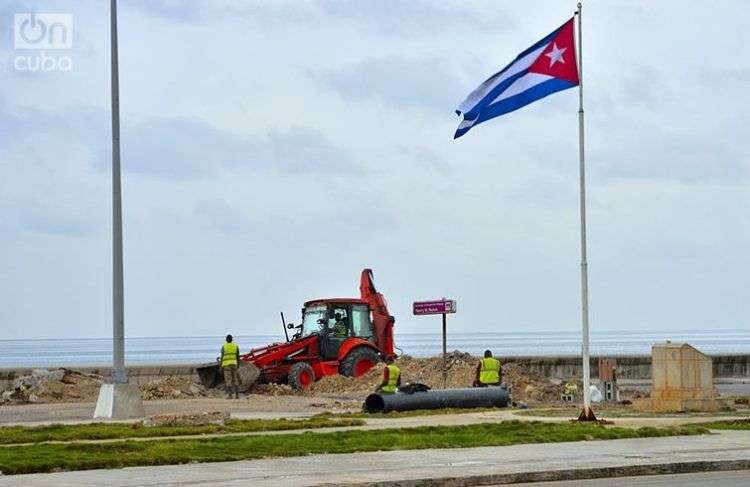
{"type": "Point", "coordinates": [558, 475]}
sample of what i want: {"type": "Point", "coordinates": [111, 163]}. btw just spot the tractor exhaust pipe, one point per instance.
{"type": "Point", "coordinates": [479, 397]}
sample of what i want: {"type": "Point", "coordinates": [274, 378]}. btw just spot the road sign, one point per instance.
{"type": "Point", "coordinates": [435, 307]}
{"type": "Point", "coordinates": [438, 307]}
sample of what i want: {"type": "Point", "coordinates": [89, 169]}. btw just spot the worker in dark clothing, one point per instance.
{"type": "Point", "coordinates": [230, 361]}
{"type": "Point", "coordinates": [391, 377]}
{"type": "Point", "coordinates": [489, 371]}
{"type": "Point", "coordinates": [340, 330]}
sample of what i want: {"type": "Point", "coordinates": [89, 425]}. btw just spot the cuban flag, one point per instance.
{"type": "Point", "coordinates": [546, 67]}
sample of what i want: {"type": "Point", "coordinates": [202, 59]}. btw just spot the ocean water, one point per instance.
{"type": "Point", "coordinates": [187, 350]}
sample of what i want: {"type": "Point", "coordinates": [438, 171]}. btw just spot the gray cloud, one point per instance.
{"type": "Point", "coordinates": [416, 17]}
{"type": "Point", "coordinates": [179, 148]}
{"type": "Point", "coordinates": [643, 85]}
{"type": "Point", "coordinates": [38, 218]}
{"type": "Point", "coordinates": [388, 17]}
{"type": "Point", "coordinates": [220, 215]}
{"type": "Point", "coordinates": [180, 10]}
{"type": "Point", "coordinates": [301, 149]}
{"type": "Point", "coordinates": [426, 83]}
{"type": "Point", "coordinates": [182, 148]}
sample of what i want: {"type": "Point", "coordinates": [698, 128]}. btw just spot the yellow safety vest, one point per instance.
{"type": "Point", "coordinates": [489, 373]}
{"type": "Point", "coordinates": [393, 375]}
{"type": "Point", "coordinates": [229, 354]}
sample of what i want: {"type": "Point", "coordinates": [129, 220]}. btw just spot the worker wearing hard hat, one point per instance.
{"type": "Point", "coordinates": [489, 371]}
{"type": "Point", "coordinates": [230, 361]}
{"type": "Point", "coordinates": [391, 377]}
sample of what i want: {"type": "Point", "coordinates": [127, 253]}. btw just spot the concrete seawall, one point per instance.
{"type": "Point", "coordinates": [561, 367]}
{"type": "Point", "coordinates": [634, 367]}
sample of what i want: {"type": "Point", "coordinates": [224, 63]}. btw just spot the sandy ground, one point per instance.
{"type": "Point", "coordinates": [257, 406]}
{"type": "Point", "coordinates": [69, 396]}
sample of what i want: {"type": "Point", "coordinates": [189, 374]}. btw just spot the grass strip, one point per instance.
{"type": "Point", "coordinates": [624, 413]}
{"type": "Point", "coordinates": [107, 431]}
{"type": "Point", "coordinates": [47, 457]}
{"type": "Point", "coordinates": [406, 414]}
{"type": "Point", "coordinates": [729, 424]}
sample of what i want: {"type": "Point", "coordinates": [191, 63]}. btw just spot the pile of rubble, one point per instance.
{"type": "Point", "coordinates": [272, 389]}
{"type": "Point", "coordinates": [59, 385]}
{"type": "Point", "coordinates": [64, 385]}
{"type": "Point", "coordinates": [171, 388]}
{"type": "Point", "coordinates": [527, 387]}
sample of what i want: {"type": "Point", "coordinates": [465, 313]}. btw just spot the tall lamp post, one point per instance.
{"type": "Point", "coordinates": [118, 399]}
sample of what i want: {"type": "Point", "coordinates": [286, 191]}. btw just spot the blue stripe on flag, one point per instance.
{"type": "Point", "coordinates": [517, 101]}
{"type": "Point", "coordinates": [482, 104]}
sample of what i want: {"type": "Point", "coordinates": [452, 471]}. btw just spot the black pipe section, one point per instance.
{"type": "Point", "coordinates": [479, 397]}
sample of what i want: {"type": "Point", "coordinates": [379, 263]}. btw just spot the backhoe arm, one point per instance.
{"type": "Point", "coordinates": [381, 317]}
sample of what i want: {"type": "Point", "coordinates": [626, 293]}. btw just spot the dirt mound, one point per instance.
{"type": "Point", "coordinates": [529, 387]}
{"type": "Point", "coordinates": [64, 385]}
{"type": "Point", "coordinates": [526, 387]}
{"type": "Point", "coordinates": [338, 385]}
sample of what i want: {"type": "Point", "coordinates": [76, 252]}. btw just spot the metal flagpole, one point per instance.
{"type": "Point", "coordinates": [118, 308]}
{"type": "Point", "coordinates": [587, 413]}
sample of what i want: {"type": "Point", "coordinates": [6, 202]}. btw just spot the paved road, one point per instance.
{"type": "Point", "coordinates": [414, 464]}
{"type": "Point", "coordinates": [714, 479]}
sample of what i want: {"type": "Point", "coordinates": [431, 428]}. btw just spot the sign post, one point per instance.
{"type": "Point", "coordinates": [438, 307]}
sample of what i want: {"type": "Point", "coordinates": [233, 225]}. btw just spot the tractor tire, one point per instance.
{"type": "Point", "coordinates": [301, 376]}
{"type": "Point", "coordinates": [358, 361]}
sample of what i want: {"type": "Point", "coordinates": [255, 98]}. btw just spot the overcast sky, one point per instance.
{"type": "Point", "coordinates": [271, 150]}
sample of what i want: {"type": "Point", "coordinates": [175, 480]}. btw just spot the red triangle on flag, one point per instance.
{"type": "Point", "coordinates": [559, 57]}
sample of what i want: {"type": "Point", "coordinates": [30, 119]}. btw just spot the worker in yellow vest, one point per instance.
{"type": "Point", "coordinates": [489, 371]}
{"type": "Point", "coordinates": [391, 377]}
{"type": "Point", "coordinates": [230, 361]}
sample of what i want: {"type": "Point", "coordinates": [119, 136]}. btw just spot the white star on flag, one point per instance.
{"type": "Point", "coordinates": [556, 54]}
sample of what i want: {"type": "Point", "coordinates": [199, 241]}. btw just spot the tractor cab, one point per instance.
{"type": "Point", "coordinates": [335, 321]}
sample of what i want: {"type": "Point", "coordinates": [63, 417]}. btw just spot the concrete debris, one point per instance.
{"type": "Point", "coordinates": [272, 389]}
{"type": "Point", "coordinates": [47, 386]}
{"type": "Point", "coordinates": [64, 385]}
{"type": "Point", "coordinates": [171, 388]}
{"type": "Point", "coordinates": [37, 377]}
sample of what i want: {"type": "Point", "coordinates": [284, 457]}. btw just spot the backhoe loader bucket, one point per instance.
{"type": "Point", "coordinates": [211, 375]}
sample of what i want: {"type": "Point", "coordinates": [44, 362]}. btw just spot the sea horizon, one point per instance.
{"type": "Point", "coordinates": [143, 350]}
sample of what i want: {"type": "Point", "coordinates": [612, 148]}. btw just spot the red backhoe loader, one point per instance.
{"type": "Point", "coordinates": [346, 336]}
